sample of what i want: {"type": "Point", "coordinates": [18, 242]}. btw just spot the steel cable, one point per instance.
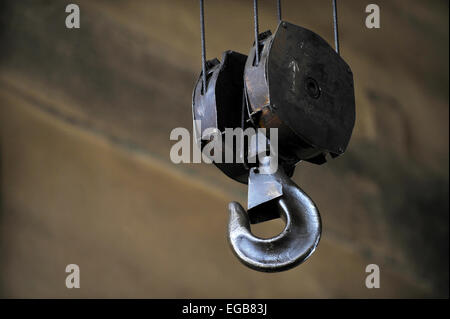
{"type": "Point", "coordinates": [335, 24]}
{"type": "Point", "coordinates": [202, 35]}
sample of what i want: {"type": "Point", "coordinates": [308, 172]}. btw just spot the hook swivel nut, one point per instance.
{"type": "Point", "coordinates": [271, 196]}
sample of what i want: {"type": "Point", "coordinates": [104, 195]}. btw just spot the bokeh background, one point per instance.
{"type": "Point", "coordinates": [86, 176]}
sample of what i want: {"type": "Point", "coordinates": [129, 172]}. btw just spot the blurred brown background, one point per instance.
{"type": "Point", "coordinates": [86, 176]}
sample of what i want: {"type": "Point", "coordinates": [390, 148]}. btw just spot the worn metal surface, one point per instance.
{"type": "Point", "coordinates": [220, 106]}
{"type": "Point", "coordinates": [259, 107]}
{"type": "Point", "coordinates": [299, 61]}
{"type": "Point", "coordinates": [303, 87]}
{"type": "Point", "coordinates": [262, 189]}
{"type": "Point", "coordinates": [294, 244]}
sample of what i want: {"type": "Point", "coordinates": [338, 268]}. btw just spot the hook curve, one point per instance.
{"type": "Point", "coordinates": [293, 245]}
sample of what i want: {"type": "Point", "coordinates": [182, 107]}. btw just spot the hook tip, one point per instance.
{"type": "Point", "coordinates": [237, 217]}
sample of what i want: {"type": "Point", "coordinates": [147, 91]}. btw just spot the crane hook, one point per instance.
{"type": "Point", "coordinates": [274, 195]}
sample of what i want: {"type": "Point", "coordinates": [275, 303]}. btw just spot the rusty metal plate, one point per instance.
{"type": "Point", "coordinates": [220, 107]}
{"type": "Point", "coordinates": [311, 88]}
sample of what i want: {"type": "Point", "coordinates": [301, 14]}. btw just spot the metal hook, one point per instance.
{"type": "Point", "coordinates": [267, 200]}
